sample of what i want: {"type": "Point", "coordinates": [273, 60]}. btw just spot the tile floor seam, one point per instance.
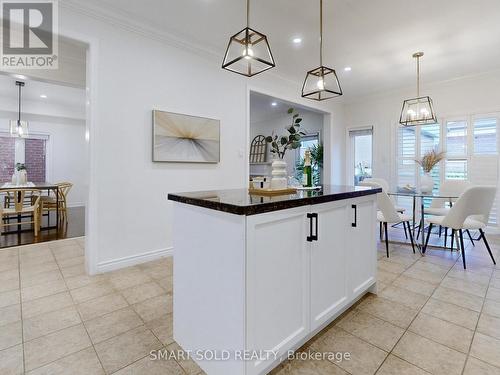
{"type": "Point", "coordinates": [82, 322]}
{"type": "Point", "coordinates": [21, 311]}
{"type": "Point", "coordinates": [415, 317]}
{"type": "Point", "coordinates": [475, 330]}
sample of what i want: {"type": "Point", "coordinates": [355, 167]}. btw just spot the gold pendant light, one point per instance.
{"type": "Point", "coordinates": [419, 110]}
{"type": "Point", "coordinates": [248, 52]}
{"type": "Point", "coordinates": [321, 83]}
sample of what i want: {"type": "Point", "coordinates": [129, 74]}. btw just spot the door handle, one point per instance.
{"type": "Point", "coordinates": [312, 237]}
{"type": "Point", "coordinates": [355, 224]}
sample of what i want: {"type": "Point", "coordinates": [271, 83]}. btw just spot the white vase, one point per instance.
{"type": "Point", "coordinates": [279, 176]}
{"type": "Point", "coordinates": [426, 183]}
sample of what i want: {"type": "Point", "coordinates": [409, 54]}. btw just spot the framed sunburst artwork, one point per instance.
{"type": "Point", "coordinates": [181, 138]}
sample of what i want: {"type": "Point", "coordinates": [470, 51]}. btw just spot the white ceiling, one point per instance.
{"type": "Point", "coordinates": [375, 37]}
{"type": "Point", "coordinates": [60, 100]}
{"type": "Point", "coordinates": [262, 108]}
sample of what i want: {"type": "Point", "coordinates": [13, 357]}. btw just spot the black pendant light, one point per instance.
{"type": "Point", "coordinates": [419, 110]}
{"type": "Point", "coordinates": [321, 83]}
{"type": "Point", "coordinates": [19, 128]}
{"type": "Point", "coordinates": [248, 52]}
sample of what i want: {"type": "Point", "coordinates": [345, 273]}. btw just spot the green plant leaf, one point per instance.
{"type": "Point", "coordinates": [297, 137]}
{"type": "Point", "coordinates": [292, 130]}
{"type": "Point", "coordinates": [290, 111]}
{"type": "Point", "coordinates": [284, 140]}
{"type": "Point", "coordinates": [296, 115]}
{"type": "Point", "coordinates": [295, 145]}
{"type": "Point", "coordinates": [269, 139]}
{"type": "Point", "coordinates": [298, 120]}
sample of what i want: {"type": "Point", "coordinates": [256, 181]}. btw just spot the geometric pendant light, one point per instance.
{"type": "Point", "coordinates": [321, 83]}
{"type": "Point", "coordinates": [419, 110]}
{"type": "Point", "coordinates": [19, 128]}
{"type": "Point", "coordinates": [248, 52]}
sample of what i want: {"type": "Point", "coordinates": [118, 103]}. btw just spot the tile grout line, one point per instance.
{"type": "Point", "coordinates": [415, 317]}
{"type": "Point", "coordinates": [477, 324]}
{"type": "Point", "coordinates": [21, 310]}
{"type": "Point", "coordinates": [82, 323]}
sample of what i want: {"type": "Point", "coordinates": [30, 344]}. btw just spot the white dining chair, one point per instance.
{"type": "Point", "coordinates": [470, 212]}
{"type": "Point", "coordinates": [387, 214]}
{"type": "Point", "coordinates": [381, 183]}
{"type": "Point", "coordinates": [441, 206]}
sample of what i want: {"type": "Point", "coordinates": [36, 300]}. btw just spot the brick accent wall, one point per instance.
{"type": "Point", "coordinates": [7, 158]}
{"type": "Point", "coordinates": [35, 159]}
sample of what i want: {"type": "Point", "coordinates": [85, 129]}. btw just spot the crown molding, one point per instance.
{"type": "Point", "coordinates": [127, 22]}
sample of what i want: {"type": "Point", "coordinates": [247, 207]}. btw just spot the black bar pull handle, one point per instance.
{"type": "Point", "coordinates": [313, 237]}
{"type": "Point", "coordinates": [355, 224]}
{"type": "Point", "coordinates": [310, 237]}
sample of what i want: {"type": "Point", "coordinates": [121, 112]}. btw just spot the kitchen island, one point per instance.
{"type": "Point", "coordinates": [256, 277]}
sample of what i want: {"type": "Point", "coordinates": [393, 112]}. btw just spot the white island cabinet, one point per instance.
{"type": "Point", "coordinates": [255, 278]}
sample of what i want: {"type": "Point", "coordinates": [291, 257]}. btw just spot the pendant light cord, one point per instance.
{"type": "Point", "coordinates": [19, 117]}
{"type": "Point", "coordinates": [248, 13]}
{"type": "Point", "coordinates": [321, 32]}
{"type": "Point", "coordinates": [418, 76]}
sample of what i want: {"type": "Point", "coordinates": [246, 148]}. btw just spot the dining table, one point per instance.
{"type": "Point", "coordinates": [416, 196]}
{"type": "Point", "coordinates": [44, 186]}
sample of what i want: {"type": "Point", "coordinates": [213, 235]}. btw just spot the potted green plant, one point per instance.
{"type": "Point", "coordinates": [280, 144]}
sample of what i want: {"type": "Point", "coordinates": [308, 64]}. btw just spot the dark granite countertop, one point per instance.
{"type": "Point", "coordinates": [240, 202]}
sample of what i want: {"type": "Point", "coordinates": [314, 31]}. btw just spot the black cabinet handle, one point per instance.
{"type": "Point", "coordinates": [355, 224]}
{"type": "Point", "coordinates": [312, 237]}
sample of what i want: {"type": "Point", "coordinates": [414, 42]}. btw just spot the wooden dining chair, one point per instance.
{"type": "Point", "coordinates": [22, 204]}
{"type": "Point", "coordinates": [49, 203]}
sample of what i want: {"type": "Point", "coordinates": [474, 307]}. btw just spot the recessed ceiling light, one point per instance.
{"type": "Point", "coordinates": [347, 68]}
{"type": "Point", "coordinates": [43, 96]}
{"type": "Point", "coordinates": [20, 76]}
{"type": "Point", "coordinates": [274, 104]}
{"type": "Point", "coordinates": [297, 40]}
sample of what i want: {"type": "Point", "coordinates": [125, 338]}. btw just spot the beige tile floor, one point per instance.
{"type": "Point", "coordinates": [430, 316]}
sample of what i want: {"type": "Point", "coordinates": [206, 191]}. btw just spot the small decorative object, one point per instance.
{"type": "Point", "coordinates": [258, 150]}
{"type": "Point", "coordinates": [316, 163]}
{"type": "Point", "coordinates": [248, 52]}
{"type": "Point", "coordinates": [419, 110]}
{"type": "Point", "coordinates": [185, 139]}
{"type": "Point", "coordinates": [21, 174]}
{"type": "Point", "coordinates": [429, 161]}
{"type": "Point", "coordinates": [279, 146]}
{"type": "Point", "coordinates": [321, 83]}
{"type": "Point", "coordinates": [279, 179]}
{"type": "Point", "coordinates": [307, 180]}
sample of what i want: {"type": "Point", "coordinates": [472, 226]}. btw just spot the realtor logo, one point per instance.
{"type": "Point", "coordinates": [29, 34]}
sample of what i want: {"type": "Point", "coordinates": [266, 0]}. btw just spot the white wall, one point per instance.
{"type": "Point", "coordinates": [312, 122]}
{"type": "Point", "coordinates": [469, 95]}
{"type": "Point", "coordinates": [130, 218]}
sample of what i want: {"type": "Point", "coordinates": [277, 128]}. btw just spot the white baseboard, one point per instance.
{"type": "Point", "coordinates": [76, 204]}
{"type": "Point", "coordinates": [115, 264]}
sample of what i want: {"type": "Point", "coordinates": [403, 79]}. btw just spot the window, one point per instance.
{"type": "Point", "coordinates": [456, 138]}
{"type": "Point", "coordinates": [430, 136]}
{"type": "Point", "coordinates": [29, 151]}
{"type": "Point", "coordinates": [360, 155]}
{"type": "Point", "coordinates": [485, 136]}
{"type": "Point", "coordinates": [471, 147]}
{"type": "Point", "coordinates": [307, 142]}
